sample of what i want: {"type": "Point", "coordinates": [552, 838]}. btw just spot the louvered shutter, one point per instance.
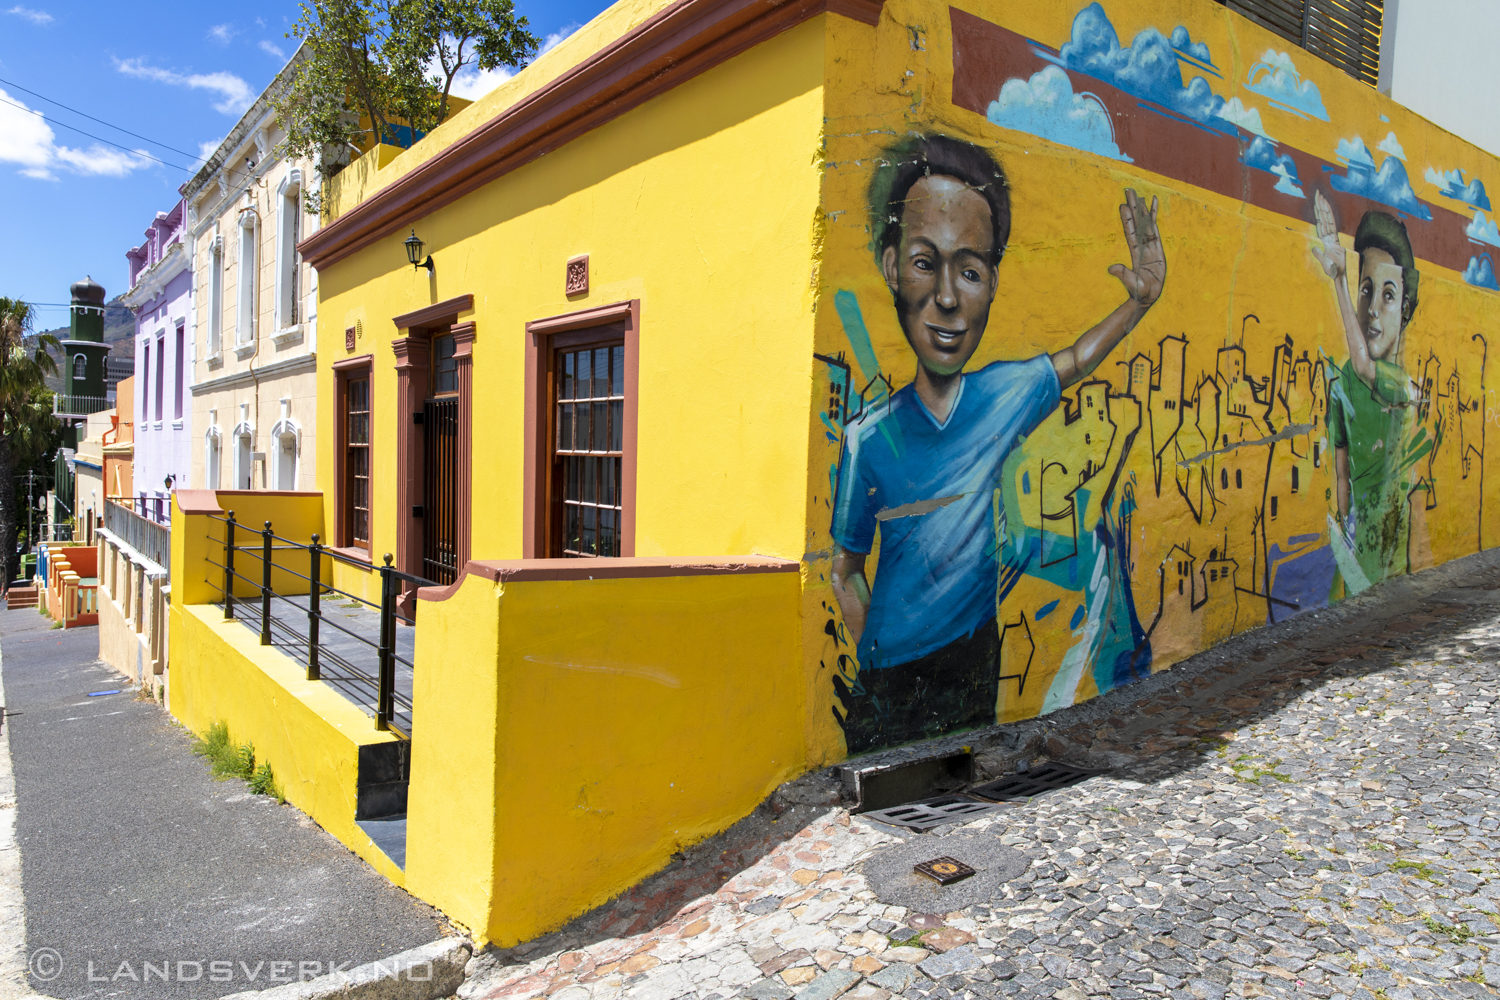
{"type": "Point", "coordinates": [1343, 32]}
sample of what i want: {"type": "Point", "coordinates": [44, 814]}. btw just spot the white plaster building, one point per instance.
{"type": "Point", "coordinates": [254, 359]}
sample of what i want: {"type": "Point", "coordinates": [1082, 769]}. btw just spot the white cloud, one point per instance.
{"type": "Point", "coordinates": [473, 84]}
{"type": "Point", "coordinates": [1391, 146]}
{"type": "Point", "coordinates": [550, 42]}
{"type": "Point", "coordinates": [236, 93]}
{"type": "Point", "coordinates": [29, 142]}
{"type": "Point", "coordinates": [222, 33]}
{"type": "Point", "coordinates": [34, 16]}
{"type": "Point", "coordinates": [205, 150]}
{"type": "Point", "coordinates": [272, 49]}
{"type": "Point", "coordinates": [1246, 118]}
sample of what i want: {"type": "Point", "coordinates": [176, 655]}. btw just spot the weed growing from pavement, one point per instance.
{"type": "Point", "coordinates": [1420, 869]}
{"type": "Point", "coordinates": [227, 760]}
{"type": "Point", "coordinates": [1457, 933]}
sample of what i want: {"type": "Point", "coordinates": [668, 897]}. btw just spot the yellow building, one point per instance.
{"type": "Point", "coordinates": [782, 381]}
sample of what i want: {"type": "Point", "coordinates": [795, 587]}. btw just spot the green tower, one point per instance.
{"type": "Point", "coordinates": [84, 350]}
{"type": "Point", "coordinates": [83, 388]}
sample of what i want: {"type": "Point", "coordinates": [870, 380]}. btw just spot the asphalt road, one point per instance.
{"type": "Point", "coordinates": [140, 870]}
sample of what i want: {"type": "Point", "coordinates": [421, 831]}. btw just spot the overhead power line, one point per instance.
{"type": "Point", "coordinates": [101, 121]}
{"type": "Point", "coordinates": [90, 135]}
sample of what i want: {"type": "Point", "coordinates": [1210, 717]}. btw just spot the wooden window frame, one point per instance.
{"type": "Point", "coordinates": [343, 372]}
{"type": "Point", "coordinates": [413, 352]}
{"type": "Point", "coordinates": [543, 336]}
{"type": "Point", "coordinates": [608, 338]}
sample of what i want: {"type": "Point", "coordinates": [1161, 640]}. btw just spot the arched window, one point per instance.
{"type": "Point", "coordinates": [246, 282]}
{"type": "Point", "coordinates": [215, 295]}
{"type": "Point", "coordinates": [80, 367]}
{"type": "Point", "coordinates": [243, 457]}
{"type": "Point", "coordinates": [288, 230]}
{"type": "Point", "coordinates": [1224, 478]}
{"type": "Point", "coordinates": [286, 439]}
{"type": "Point", "coordinates": [211, 460]}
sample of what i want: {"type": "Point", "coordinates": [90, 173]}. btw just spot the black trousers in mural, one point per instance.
{"type": "Point", "coordinates": [955, 687]}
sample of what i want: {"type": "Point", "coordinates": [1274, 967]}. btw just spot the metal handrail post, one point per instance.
{"type": "Point", "coordinates": [265, 586]}
{"type": "Point", "coordinates": [385, 703]}
{"type": "Point", "coordinates": [314, 584]}
{"type": "Point", "coordinates": [229, 567]}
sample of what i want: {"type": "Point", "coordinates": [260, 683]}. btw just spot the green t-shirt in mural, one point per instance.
{"type": "Point", "coordinates": [1371, 425]}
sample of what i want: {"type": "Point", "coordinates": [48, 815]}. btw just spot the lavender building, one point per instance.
{"type": "Point", "coordinates": [161, 296]}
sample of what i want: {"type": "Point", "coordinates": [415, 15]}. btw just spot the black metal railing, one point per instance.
{"type": "Point", "coordinates": [146, 535]}
{"type": "Point", "coordinates": [342, 660]}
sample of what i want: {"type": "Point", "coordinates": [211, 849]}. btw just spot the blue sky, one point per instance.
{"type": "Point", "coordinates": [175, 72]}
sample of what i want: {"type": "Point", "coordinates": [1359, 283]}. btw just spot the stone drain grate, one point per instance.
{"type": "Point", "coordinates": [931, 813]}
{"type": "Point", "coordinates": [1047, 777]}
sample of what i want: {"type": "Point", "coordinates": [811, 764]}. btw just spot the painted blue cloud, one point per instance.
{"type": "Point", "coordinates": [1388, 185]}
{"type": "Point", "coordinates": [1275, 76]}
{"type": "Point", "coordinates": [1483, 230]}
{"type": "Point", "coordinates": [1451, 183]}
{"type": "Point", "coordinates": [1184, 44]}
{"type": "Point", "coordinates": [1046, 106]}
{"type": "Point", "coordinates": [1261, 154]}
{"type": "Point", "coordinates": [1481, 273]}
{"type": "Point", "coordinates": [1149, 68]}
{"type": "Point", "coordinates": [1354, 151]}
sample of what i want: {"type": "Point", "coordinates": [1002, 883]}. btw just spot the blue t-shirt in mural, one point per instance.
{"type": "Point", "coordinates": [937, 575]}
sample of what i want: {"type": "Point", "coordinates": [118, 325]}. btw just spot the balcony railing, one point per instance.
{"type": "Point", "coordinates": [80, 406]}
{"type": "Point", "coordinates": [144, 534]}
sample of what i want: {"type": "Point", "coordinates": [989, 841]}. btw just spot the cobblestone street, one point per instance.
{"type": "Point", "coordinates": [1304, 811]}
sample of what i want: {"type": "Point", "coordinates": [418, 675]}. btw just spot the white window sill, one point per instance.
{"type": "Point", "coordinates": [289, 335]}
{"type": "Point", "coordinates": [214, 360]}
{"type": "Point", "coordinates": [177, 425]}
{"type": "Point", "coordinates": [156, 426]}
{"type": "Point", "coordinates": [243, 351]}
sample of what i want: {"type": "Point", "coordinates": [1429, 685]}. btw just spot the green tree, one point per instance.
{"type": "Point", "coordinates": [27, 427]}
{"type": "Point", "coordinates": [377, 71]}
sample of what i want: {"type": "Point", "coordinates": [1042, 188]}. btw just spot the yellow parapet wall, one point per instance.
{"type": "Point", "coordinates": [592, 727]}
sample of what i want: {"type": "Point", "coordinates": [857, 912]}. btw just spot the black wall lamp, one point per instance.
{"type": "Point", "coordinates": [414, 254]}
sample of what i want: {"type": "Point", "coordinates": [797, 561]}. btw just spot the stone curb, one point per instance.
{"type": "Point", "coordinates": [428, 972]}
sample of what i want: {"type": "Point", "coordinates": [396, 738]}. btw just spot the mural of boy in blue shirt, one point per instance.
{"type": "Point", "coordinates": [923, 467]}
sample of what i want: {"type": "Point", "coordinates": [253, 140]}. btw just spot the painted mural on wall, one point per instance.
{"type": "Point", "coordinates": [1051, 470]}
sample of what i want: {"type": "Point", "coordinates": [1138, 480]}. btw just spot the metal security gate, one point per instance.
{"type": "Point", "coordinates": [440, 507]}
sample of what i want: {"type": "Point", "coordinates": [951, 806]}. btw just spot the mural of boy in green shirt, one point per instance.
{"type": "Point", "coordinates": [1371, 402]}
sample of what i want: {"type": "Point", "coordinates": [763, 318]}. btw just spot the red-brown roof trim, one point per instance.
{"type": "Point", "coordinates": [674, 45]}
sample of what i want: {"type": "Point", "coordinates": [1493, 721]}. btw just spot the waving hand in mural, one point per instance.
{"type": "Point", "coordinates": [1144, 280]}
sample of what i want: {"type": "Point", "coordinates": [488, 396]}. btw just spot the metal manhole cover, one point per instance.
{"type": "Point", "coordinates": [1046, 778]}
{"type": "Point", "coordinates": [931, 812]}
{"type": "Point", "coordinates": [944, 870]}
